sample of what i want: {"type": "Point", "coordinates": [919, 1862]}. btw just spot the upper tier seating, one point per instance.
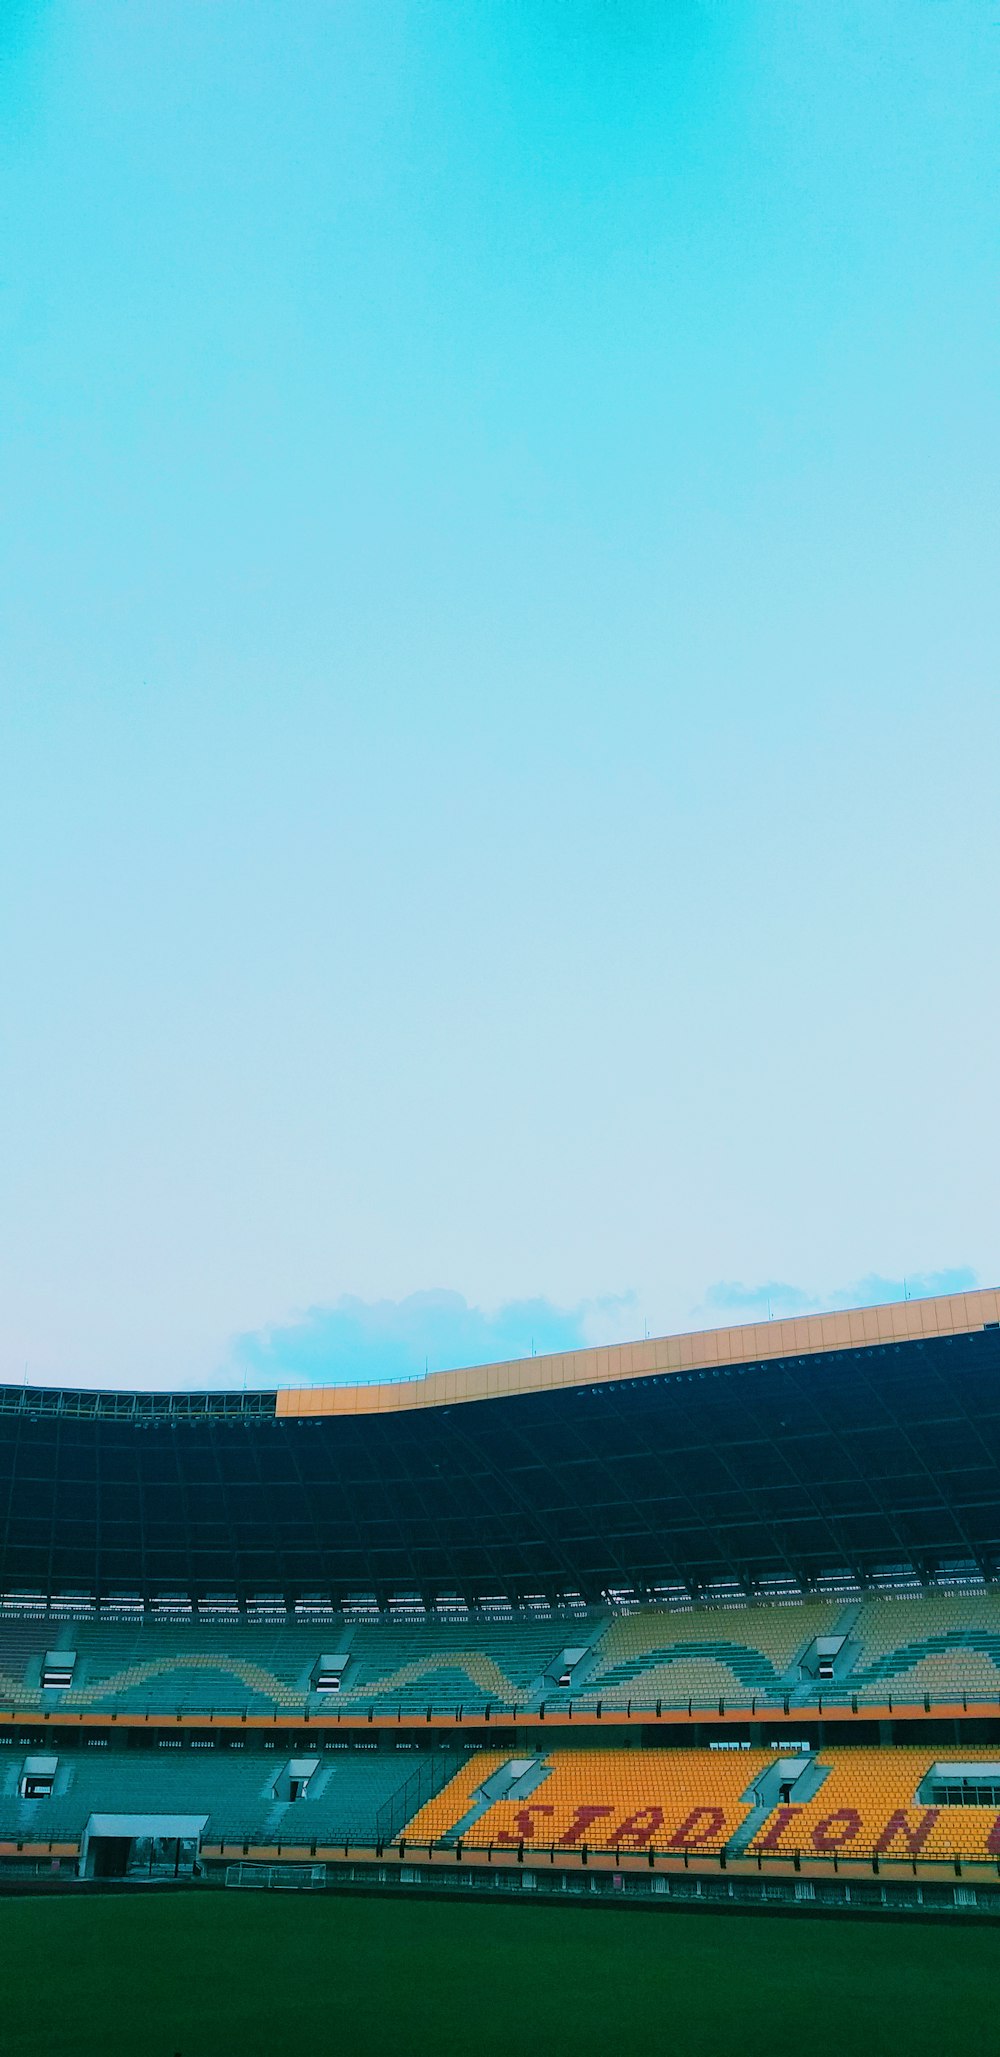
{"type": "Point", "coordinates": [945, 1645]}
{"type": "Point", "coordinates": [733, 1654]}
{"type": "Point", "coordinates": [942, 1646]}
{"type": "Point", "coordinates": [164, 1667]}
{"type": "Point", "coordinates": [473, 1664]}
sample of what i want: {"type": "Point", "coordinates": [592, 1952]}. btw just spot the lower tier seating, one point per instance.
{"type": "Point", "coordinates": [861, 1802]}
{"type": "Point", "coordinates": [868, 1805]}
{"type": "Point", "coordinates": [690, 1798]}
{"type": "Point", "coordinates": [893, 1803]}
{"type": "Point", "coordinates": [244, 1796]}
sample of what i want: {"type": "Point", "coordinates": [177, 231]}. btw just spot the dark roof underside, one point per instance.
{"type": "Point", "coordinates": [851, 1461]}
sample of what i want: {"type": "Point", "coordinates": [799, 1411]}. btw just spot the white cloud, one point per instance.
{"type": "Point", "coordinates": [732, 1302]}
{"type": "Point", "coordinates": [354, 1341]}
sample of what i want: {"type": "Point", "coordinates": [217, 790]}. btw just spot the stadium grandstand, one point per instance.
{"type": "Point", "coordinates": [715, 1615]}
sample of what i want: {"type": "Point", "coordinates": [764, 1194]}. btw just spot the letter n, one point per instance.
{"type": "Point", "coordinates": [914, 1838]}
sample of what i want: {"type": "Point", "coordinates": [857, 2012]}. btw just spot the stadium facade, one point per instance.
{"type": "Point", "coordinates": [716, 1611]}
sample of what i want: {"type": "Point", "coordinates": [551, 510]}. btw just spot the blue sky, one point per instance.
{"type": "Point", "coordinates": [498, 673]}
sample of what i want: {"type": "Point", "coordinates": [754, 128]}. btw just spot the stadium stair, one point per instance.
{"type": "Point", "coordinates": [584, 1646]}
{"type": "Point", "coordinates": [804, 1690]}
{"type": "Point", "coordinates": [513, 1781]}
{"type": "Point", "coordinates": [791, 1780]}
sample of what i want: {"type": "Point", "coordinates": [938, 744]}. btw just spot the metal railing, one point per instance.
{"type": "Point", "coordinates": [422, 1785]}
{"type": "Point", "coordinates": [44, 1401]}
{"type": "Point", "coordinates": [350, 1714]}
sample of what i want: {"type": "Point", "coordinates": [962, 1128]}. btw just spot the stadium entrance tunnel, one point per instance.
{"type": "Point", "coordinates": [795, 1778]}
{"type": "Point", "coordinates": [788, 1782]}
{"type": "Point", "coordinates": [141, 1846]}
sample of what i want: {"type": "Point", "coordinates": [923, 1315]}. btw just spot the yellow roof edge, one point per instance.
{"type": "Point", "coordinates": [894, 1321]}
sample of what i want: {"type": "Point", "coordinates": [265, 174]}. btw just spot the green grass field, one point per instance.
{"type": "Point", "coordinates": [242, 1975]}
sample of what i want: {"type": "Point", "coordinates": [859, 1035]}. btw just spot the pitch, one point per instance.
{"type": "Point", "coordinates": [236, 1975]}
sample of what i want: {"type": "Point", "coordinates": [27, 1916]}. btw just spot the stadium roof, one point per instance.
{"type": "Point", "coordinates": [862, 1445]}
{"type": "Point", "coordinates": [896, 1321]}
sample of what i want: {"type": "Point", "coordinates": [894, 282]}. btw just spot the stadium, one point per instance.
{"type": "Point", "coordinates": [498, 749]}
{"type": "Point", "coordinates": [712, 1618]}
